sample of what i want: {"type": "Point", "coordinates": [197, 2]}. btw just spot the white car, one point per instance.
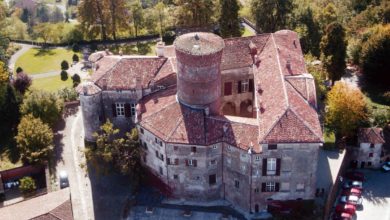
{"type": "Point", "coordinates": [386, 167]}
{"type": "Point", "coordinates": [351, 199]}
{"type": "Point", "coordinates": [64, 182]}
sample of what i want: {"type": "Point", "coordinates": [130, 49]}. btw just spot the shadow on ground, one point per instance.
{"type": "Point", "coordinates": [377, 187]}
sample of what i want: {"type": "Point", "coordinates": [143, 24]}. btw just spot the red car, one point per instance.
{"type": "Point", "coordinates": [355, 176]}
{"type": "Point", "coordinates": [346, 208]}
{"type": "Point", "coordinates": [352, 191]}
{"type": "Point", "coordinates": [342, 216]}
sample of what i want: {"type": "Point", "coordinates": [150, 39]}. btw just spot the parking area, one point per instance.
{"type": "Point", "coordinates": [376, 196]}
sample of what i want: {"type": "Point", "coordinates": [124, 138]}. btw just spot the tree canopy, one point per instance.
{"type": "Point", "coordinates": [34, 139]}
{"type": "Point", "coordinates": [228, 22]}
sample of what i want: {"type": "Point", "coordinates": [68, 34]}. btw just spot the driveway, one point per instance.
{"type": "Point", "coordinates": [376, 196]}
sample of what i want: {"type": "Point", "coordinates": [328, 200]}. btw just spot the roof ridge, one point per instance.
{"type": "Point", "coordinates": [280, 70]}
{"type": "Point", "coordinates": [175, 128]}
{"type": "Point", "coordinates": [298, 90]}
{"type": "Point", "coordinates": [376, 134]}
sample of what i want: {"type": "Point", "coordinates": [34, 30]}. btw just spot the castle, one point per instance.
{"type": "Point", "coordinates": [231, 119]}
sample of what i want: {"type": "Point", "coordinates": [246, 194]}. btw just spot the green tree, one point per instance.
{"type": "Point", "coordinates": [64, 65]}
{"type": "Point", "coordinates": [137, 16]}
{"type": "Point", "coordinates": [76, 80]}
{"type": "Point", "coordinates": [64, 75]}
{"type": "Point", "coordinates": [375, 56]}
{"type": "Point", "coordinates": [160, 8]}
{"type": "Point", "coordinates": [4, 74]}
{"type": "Point", "coordinates": [22, 82]}
{"type": "Point", "coordinates": [27, 185]}
{"type": "Point", "coordinates": [57, 15]}
{"type": "Point", "coordinates": [334, 50]}
{"type": "Point", "coordinates": [9, 106]}
{"type": "Point", "coordinates": [194, 13]}
{"type": "Point", "coordinates": [119, 15]}
{"type": "Point", "coordinates": [228, 21]}
{"type": "Point", "coordinates": [310, 32]}
{"type": "Point", "coordinates": [34, 140]}
{"type": "Point", "coordinates": [94, 17]}
{"type": "Point", "coordinates": [328, 15]}
{"type": "Point", "coordinates": [271, 15]}
{"type": "Point", "coordinates": [346, 110]}
{"type": "Point", "coordinates": [44, 105]}
{"type": "Point", "coordinates": [4, 43]}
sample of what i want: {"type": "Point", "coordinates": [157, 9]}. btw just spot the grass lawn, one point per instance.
{"type": "Point", "coordinates": [51, 84]}
{"type": "Point", "coordinates": [247, 33]}
{"type": "Point", "coordinates": [38, 60]}
{"type": "Point", "coordinates": [133, 49]}
{"type": "Point", "coordinates": [329, 139]}
{"type": "Point", "coordinates": [6, 163]}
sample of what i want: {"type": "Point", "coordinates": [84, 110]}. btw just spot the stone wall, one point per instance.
{"type": "Point", "coordinates": [370, 157]}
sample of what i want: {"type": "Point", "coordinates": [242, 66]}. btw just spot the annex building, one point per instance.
{"type": "Point", "coordinates": [231, 119]}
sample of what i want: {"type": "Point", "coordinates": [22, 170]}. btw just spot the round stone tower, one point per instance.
{"type": "Point", "coordinates": [91, 108]}
{"type": "Point", "coordinates": [199, 70]}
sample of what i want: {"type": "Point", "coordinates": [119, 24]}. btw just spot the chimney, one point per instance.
{"type": "Point", "coordinates": [253, 48]}
{"type": "Point", "coordinates": [160, 49]}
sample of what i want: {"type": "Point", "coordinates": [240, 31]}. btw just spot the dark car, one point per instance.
{"type": "Point", "coordinates": [386, 167]}
{"type": "Point", "coordinates": [353, 184]}
{"type": "Point", "coordinates": [346, 208]}
{"type": "Point", "coordinates": [64, 182]}
{"type": "Point", "coordinates": [355, 175]}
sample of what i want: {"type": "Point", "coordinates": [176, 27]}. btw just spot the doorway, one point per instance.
{"type": "Point", "coordinates": [362, 164]}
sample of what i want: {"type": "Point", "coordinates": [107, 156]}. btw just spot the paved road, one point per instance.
{"type": "Point", "coordinates": [15, 57]}
{"type": "Point", "coordinates": [71, 71]}
{"type": "Point", "coordinates": [70, 157]}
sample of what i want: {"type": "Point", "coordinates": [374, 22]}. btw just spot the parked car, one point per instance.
{"type": "Point", "coordinates": [352, 191]}
{"type": "Point", "coordinates": [64, 182]}
{"type": "Point", "coordinates": [352, 199]}
{"type": "Point", "coordinates": [346, 208]}
{"type": "Point", "coordinates": [353, 184]}
{"type": "Point", "coordinates": [355, 175]}
{"type": "Point", "coordinates": [342, 216]}
{"type": "Point", "coordinates": [386, 167]}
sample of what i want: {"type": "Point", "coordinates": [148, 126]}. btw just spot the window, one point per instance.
{"type": "Point", "coordinates": [371, 155]}
{"type": "Point", "coordinates": [237, 184]}
{"type": "Point", "coordinates": [145, 146]}
{"type": "Point", "coordinates": [229, 148]}
{"type": "Point", "coordinates": [120, 109]}
{"type": "Point", "coordinates": [160, 156]}
{"type": "Point", "coordinates": [270, 187]}
{"type": "Point", "coordinates": [215, 147]}
{"type": "Point", "coordinates": [213, 162]}
{"type": "Point", "coordinates": [175, 147]}
{"type": "Point", "coordinates": [257, 158]}
{"type": "Point", "coordinates": [369, 164]}
{"type": "Point", "coordinates": [157, 154]}
{"type": "Point", "coordinates": [191, 162]}
{"type": "Point", "coordinates": [161, 171]}
{"type": "Point", "coordinates": [272, 146]}
{"type": "Point", "coordinates": [271, 166]}
{"type": "Point", "coordinates": [175, 177]}
{"type": "Point", "coordinates": [172, 161]}
{"type": "Point", "coordinates": [132, 109]}
{"type": "Point", "coordinates": [257, 190]}
{"type": "Point", "coordinates": [212, 179]}
{"type": "Point", "coordinates": [193, 149]}
{"type": "Point", "coordinates": [372, 145]}
{"type": "Point", "coordinates": [157, 141]}
{"type": "Point", "coordinates": [228, 88]}
{"type": "Point", "coordinates": [300, 187]}
{"type": "Point", "coordinates": [142, 130]}
{"type": "Point", "coordinates": [243, 155]}
{"type": "Point", "coordinates": [245, 85]}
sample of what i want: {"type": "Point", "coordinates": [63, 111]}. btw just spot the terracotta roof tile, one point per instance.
{"type": "Point", "coordinates": [371, 135]}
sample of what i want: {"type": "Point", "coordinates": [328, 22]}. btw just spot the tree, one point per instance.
{"type": "Point", "coordinates": [44, 105]}
{"type": "Point", "coordinates": [64, 65]}
{"type": "Point", "coordinates": [4, 43]}
{"type": "Point", "coordinates": [75, 58]}
{"type": "Point", "coordinates": [94, 17]}
{"type": "Point", "coordinates": [310, 33]}
{"type": "Point", "coordinates": [228, 21]}
{"type": "Point", "coordinates": [328, 15]}
{"type": "Point", "coordinates": [9, 106]}
{"type": "Point", "coordinates": [27, 185]}
{"type": "Point", "coordinates": [119, 15]}
{"type": "Point", "coordinates": [44, 31]}
{"type": "Point", "coordinates": [22, 82]}
{"type": "Point", "coordinates": [271, 15]}
{"type": "Point", "coordinates": [375, 56]}
{"type": "Point", "coordinates": [76, 80]}
{"type": "Point", "coordinates": [194, 13]}
{"type": "Point", "coordinates": [57, 15]}
{"type": "Point", "coordinates": [64, 75]}
{"type": "Point", "coordinates": [334, 49]}
{"type": "Point", "coordinates": [4, 74]}
{"type": "Point", "coordinates": [137, 16]}
{"type": "Point", "coordinates": [43, 13]}
{"type": "Point", "coordinates": [346, 109]}
{"type": "Point", "coordinates": [160, 8]}
{"type": "Point", "coordinates": [67, 94]}
{"type": "Point", "coordinates": [34, 140]}
{"type": "Point", "coordinates": [19, 69]}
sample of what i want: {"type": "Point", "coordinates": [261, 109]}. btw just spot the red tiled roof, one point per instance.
{"type": "Point", "coordinates": [371, 135]}
{"type": "Point", "coordinates": [62, 212]}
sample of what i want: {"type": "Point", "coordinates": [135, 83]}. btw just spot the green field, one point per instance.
{"type": "Point", "coordinates": [247, 33]}
{"type": "Point", "coordinates": [37, 60]}
{"type": "Point", "coordinates": [51, 84]}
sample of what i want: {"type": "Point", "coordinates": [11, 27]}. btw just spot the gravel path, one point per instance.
{"type": "Point", "coordinates": [15, 57]}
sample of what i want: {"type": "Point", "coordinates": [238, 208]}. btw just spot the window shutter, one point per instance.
{"type": "Point", "coordinates": [187, 162]}
{"type": "Point", "coordinates": [157, 154]}
{"type": "Point", "coordinates": [176, 161]}
{"type": "Point", "coordinates": [127, 110]}
{"type": "Point", "coordinates": [278, 166]}
{"type": "Point", "coordinates": [195, 163]}
{"type": "Point", "coordinates": [263, 187]}
{"type": "Point", "coordinates": [264, 167]}
{"type": "Point", "coordinates": [239, 87]}
{"type": "Point", "coordinates": [113, 110]}
{"type": "Point", "coordinates": [276, 187]}
{"type": "Point", "coordinates": [228, 88]}
{"type": "Point", "coordinates": [251, 85]}
{"type": "Point", "coordinates": [168, 161]}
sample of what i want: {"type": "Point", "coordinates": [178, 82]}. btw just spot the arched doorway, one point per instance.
{"type": "Point", "coordinates": [229, 109]}
{"type": "Point", "coordinates": [246, 109]}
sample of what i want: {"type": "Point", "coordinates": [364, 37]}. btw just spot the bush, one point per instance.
{"type": "Point", "coordinates": [75, 47]}
{"type": "Point", "coordinates": [75, 58]}
{"type": "Point", "coordinates": [67, 94]}
{"type": "Point", "coordinates": [64, 65]}
{"type": "Point", "coordinates": [22, 82]}
{"type": "Point", "coordinates": [76, 80]}
{"type": "Point", "coordinates": [169, 37]}
{"type": "Point", "coordinates": [64, 75]}
{"type": "Point", "coordinates": [27, 185]}
{"type": "Point", "coordinates": [19, 70]}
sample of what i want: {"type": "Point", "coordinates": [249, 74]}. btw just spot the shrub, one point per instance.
{"type": "Point", "coordinates": [22, 82]}
{"type": "Point", "coordinates": [19, 69]}
{"type": "Point", "coordinates": [76, 80]}
{"type": "Point", "coordinates": [75, 47]}
{"type": "Point", "coordinates": [27, 185]}
{"type": "Point", "coordinates": [67, 94]}
{"type": "Point", "coordinates": [64, 65]}
{"type": "Point", "coordinates": [64, 75]}
{"type": "Point", "coordinates": [75, 58]}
